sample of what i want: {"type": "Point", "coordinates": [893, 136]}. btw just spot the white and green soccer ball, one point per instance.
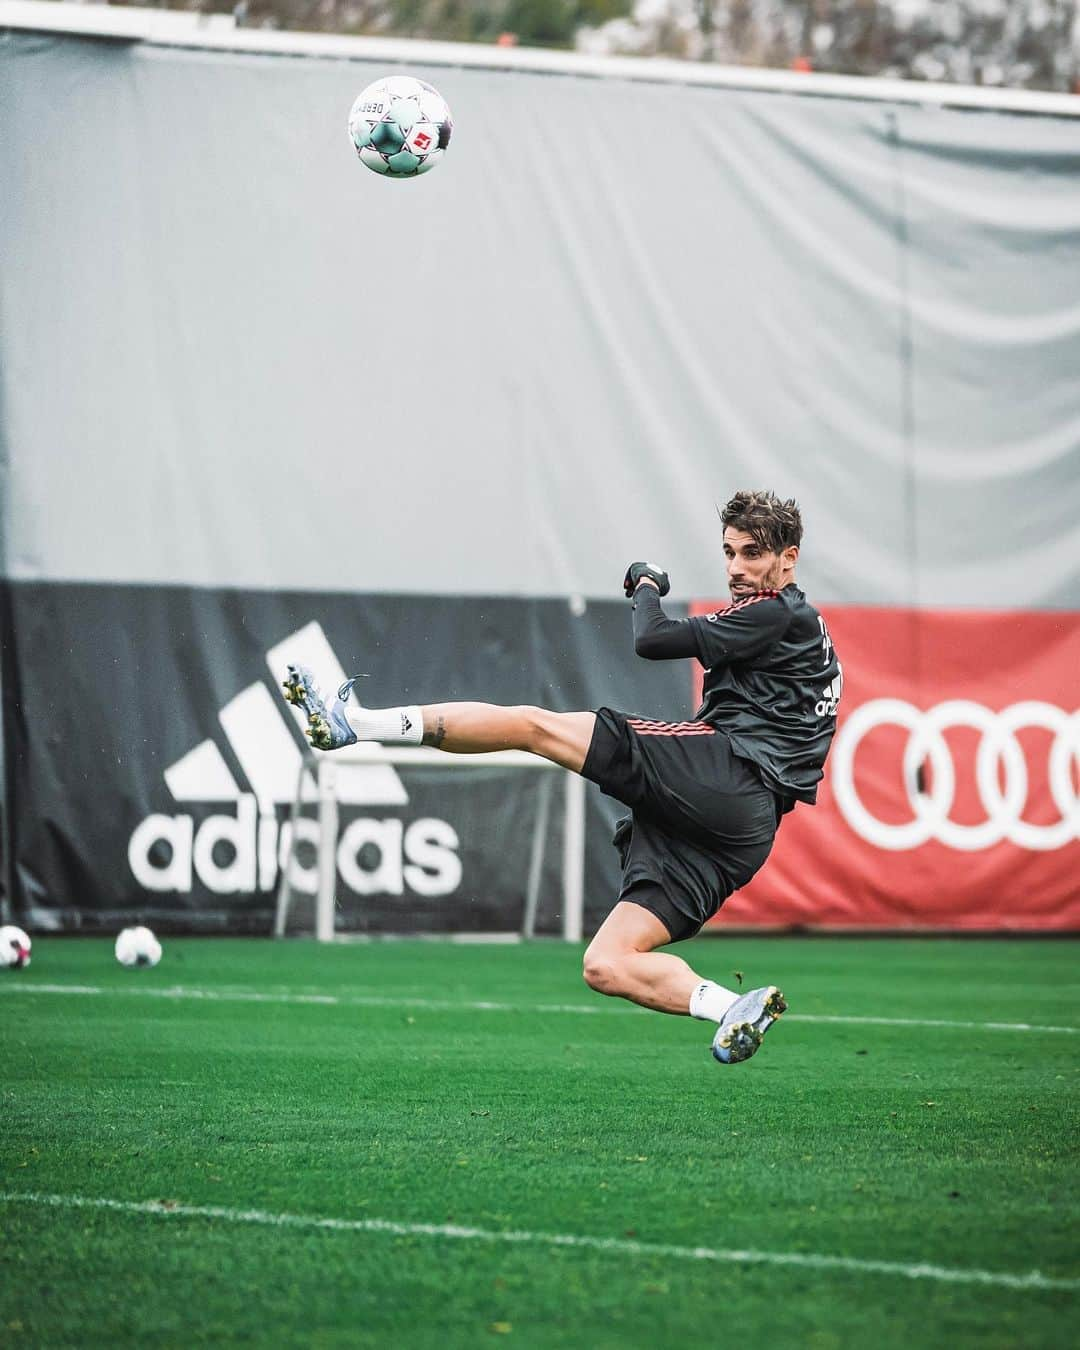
{"type": "Point", "coordinates": [400, 126]}
{"type": "Point", "coordinates": [138, 947]}
{"type": "Point", "coordinates": [14, 947]}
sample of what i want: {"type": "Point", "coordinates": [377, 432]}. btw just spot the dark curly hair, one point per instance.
{"type": "Point", "coordinates": [772, 524]}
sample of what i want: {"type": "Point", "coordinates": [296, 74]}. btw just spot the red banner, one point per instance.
{"type": "Point", "coordinates": [951, 797]}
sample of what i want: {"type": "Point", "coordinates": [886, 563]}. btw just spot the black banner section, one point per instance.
{"type": "Point", "coordinates": [150, 760]}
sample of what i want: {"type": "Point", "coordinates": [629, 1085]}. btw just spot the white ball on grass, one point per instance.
{"type": "Point", "coordinates": [14, 947]}
{"type": "Point", "coordinates": [138, 947]}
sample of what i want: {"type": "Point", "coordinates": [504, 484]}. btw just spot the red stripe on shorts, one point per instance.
{"type": "Point", "coordinates": [645, 727]}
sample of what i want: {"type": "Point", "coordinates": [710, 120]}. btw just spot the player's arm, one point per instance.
{"type": "Point", "coordinates": [740, 632]}
{"type": "Point", "coordinates": [656, 637]}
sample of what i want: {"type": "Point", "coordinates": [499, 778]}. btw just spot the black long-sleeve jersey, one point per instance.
{"type": "Point", "coordinates": [772, 679]}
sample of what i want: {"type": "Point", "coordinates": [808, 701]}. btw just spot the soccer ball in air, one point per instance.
{"type": "Point", "coordinates": [14, 947]}
{"type": "Point", "coordinates": [400, 126]}
{"type": "Point", "coordinates": [138, 947]}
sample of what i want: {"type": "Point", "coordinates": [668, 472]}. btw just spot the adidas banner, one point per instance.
{"type": "Point", "coordinates": [151, 765]}
{"type": "Point", "coordinates": [152, 762]}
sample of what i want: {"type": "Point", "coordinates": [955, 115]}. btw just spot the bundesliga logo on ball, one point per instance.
{"type": "Point", "coordinates": [400, 126]}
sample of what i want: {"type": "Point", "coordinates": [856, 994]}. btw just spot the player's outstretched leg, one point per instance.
{"type": "Point", "coordinates": [458, 728]}
{"type": "Point", "coordinates": [747, 1020]}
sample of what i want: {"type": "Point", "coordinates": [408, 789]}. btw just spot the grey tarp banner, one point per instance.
{"type": "Point", "coordinates": [612, 303]}
{"type": "Point", "coordinates": [231, 359]}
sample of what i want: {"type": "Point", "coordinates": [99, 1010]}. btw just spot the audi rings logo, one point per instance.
{"type": "Point", "coordinates": [1004, 795]}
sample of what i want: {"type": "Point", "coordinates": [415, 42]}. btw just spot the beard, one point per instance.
{"type": "Point", "coordinates": [772, 581]}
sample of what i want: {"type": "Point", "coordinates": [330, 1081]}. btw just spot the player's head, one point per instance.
{"type": "Point", "coordinates": [762, 535]}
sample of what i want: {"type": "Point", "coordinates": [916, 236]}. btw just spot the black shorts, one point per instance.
{"type": "Point", "coordinates": [703, 822]}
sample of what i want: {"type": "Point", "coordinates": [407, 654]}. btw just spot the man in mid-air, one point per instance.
{"type": "Point", "coordinates": [706, 796]}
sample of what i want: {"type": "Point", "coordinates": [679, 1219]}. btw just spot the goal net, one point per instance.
{"type": "Point", "coordinates": [524, 836]}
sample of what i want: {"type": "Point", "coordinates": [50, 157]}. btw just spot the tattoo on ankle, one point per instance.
{"type": "Point", "coordinates": [437, 736]}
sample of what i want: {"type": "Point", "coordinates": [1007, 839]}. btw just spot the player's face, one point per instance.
{"type": "Point", "coordinates": [750, 568]}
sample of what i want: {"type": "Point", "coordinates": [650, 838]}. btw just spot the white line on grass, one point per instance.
{"type": "Point", "coordinates": [331, 1000]}
{"type": "Point", "coordinates": [926, 1022]}
{"type": "Point", "coordinates": [619, 1246]}
{"type": "Point", "coordinates": [446, 1005]}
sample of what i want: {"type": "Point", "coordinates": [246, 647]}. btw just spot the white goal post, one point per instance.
{"type": "Point", "coordinates": [325, 768]}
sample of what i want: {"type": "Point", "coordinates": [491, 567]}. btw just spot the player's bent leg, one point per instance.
{"type": "Point", "coordinates": [622, 961]}
{"type": "Point", "coordinates": [474, 728]}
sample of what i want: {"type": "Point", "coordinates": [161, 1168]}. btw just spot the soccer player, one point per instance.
{"type": "Point", "coordinates": [706, 797]}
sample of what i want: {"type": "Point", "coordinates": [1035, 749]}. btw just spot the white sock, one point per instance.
{"type": "Point", "coordinates": [392, 726]}
{"type": "Point", "coordinates": [709, 1002]}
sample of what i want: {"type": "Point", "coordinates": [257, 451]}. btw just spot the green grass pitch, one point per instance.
{"type": "Point", "coordinates": [340, 1146]}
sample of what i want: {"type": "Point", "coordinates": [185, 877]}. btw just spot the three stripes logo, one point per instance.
{"type": "Point", "coordinates": [829, 701]}
{"type": "Point", "coordinates": [644, 726]}
{"type": "Point", "coordinates": [242, 852]}
{"type": "Point", "coordinates": [718, 615]}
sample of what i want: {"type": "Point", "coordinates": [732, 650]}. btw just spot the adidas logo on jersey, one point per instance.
{"type": "Point", "coordinates": [826, 705]}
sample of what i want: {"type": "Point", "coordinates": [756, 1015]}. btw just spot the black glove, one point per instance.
{"type": "Point", "coordinates": [643, 571]}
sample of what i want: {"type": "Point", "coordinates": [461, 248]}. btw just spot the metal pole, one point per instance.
{"type": "Point", "coordinates": [574, 859]}
{"type": "Point", "coordinates": [536, 856]}
{"type": "Point", "coordinates": [328, 828]}
{"type": "Point", "coordinates": [284, 890]}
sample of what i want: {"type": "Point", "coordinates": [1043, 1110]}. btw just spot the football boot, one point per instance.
{"type": "Point", "coordinates": [739, 1035]}
{"type": "Point", "coordinates": [327, 728]}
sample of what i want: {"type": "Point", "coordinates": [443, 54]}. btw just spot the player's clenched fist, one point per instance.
{"type": "Point", "coordinates": [638, 572]}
